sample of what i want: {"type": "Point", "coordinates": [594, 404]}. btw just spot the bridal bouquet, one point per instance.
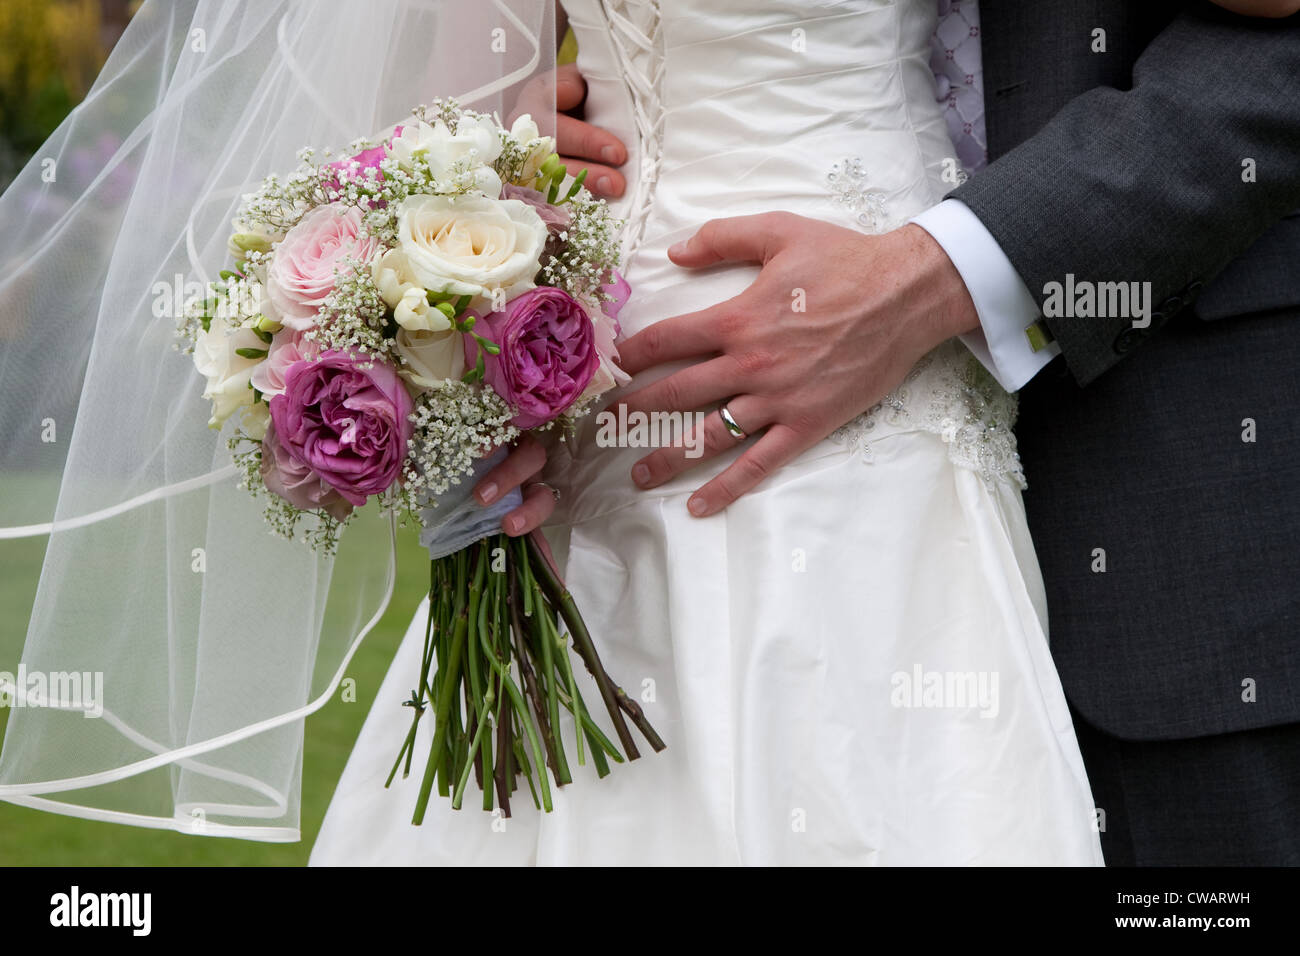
{"type": "Point", "coordinates": [392, 322]}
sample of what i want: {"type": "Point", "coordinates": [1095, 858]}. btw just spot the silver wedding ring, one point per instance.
{"type": "Point", "coordinates": [555, 492]}
{"type": "Point", "coordinates": [733, 428]}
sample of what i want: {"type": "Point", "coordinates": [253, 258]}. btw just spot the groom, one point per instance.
{"type": "Point", "coordinates": [1129, 257]}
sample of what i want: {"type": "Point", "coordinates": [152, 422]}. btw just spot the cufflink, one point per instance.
{"type": "Point", "coordinates": [1039, 335]}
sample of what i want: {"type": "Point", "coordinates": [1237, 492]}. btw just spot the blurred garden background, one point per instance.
{"type": "Point", "coordinates": [50, 53]}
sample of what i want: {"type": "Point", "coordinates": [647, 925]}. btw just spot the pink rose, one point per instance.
{"type": "Point", "coordinates": [287, 346]}
{"type": "Point", "coordinates": [349, 424]}
{"type": "Point", "coordinates": [548, 353]}
{"type": "Point", "coordinates": [297, 484]}
{"type": "Point", "coordinates": [609, 375]}
{"type": "Point", "coordinates": [557, 218]}
{"type": "Point", "coordinates": [301, 274]}
{"type": "Point", "coordinates": [356, 166]}
{"type": "Point", "coordinates": [619, 288]}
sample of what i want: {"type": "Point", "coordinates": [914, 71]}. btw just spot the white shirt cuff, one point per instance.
{"type": "Point", "coordinates": [1002, 300]}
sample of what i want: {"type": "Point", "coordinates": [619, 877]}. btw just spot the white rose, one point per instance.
{"type": "Point", "coordinates": [430, 357]}
{"type": "Point", "coordinates": [227, 372]}
{"type": "Point", "coordinates": [471, 245]}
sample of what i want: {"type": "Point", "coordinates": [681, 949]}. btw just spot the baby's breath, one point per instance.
{"type": "Point", "coordinates": [455, 424]}
{"type": "Point", "coordinates": [320, 530]}
{"type": "Point", "coordinates": [590, 250]}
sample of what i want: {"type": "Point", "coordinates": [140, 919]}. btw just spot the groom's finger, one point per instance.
{"type": "Point", "coordinates": [678, 337]}
{"type": "Point", "coordinates": [754, 238]}
{"type": "Point", "coordinates": [693, 387]}
{"type": "Point", "coordinates": [700, 444]}
{"type": "Point", "coordinates": [774, 448]}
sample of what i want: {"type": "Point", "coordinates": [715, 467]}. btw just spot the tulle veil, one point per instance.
{"type": "Point", "coordinates": [209, 639]}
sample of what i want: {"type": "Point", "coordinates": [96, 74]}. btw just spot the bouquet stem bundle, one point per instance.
{"type": "Point", "coordinates": [497, 672]}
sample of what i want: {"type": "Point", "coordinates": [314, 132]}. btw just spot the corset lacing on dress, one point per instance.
{"type": "Point", "coordinates": [948, 392]}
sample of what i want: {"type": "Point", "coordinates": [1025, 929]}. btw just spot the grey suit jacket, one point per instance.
{"type": "Point", "coordinates": [1127, 165]}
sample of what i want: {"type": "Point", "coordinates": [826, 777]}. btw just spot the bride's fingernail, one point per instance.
{"type": "Point", "coordinates": [640, 474]}
{"type": "Point", "coordinates": [677, 248]}
{"type": "Point", "coordinates": [513, 525]}
{"type": "Point", "coordinates": [611, 155]}
{"type": "Point", "coordinates": [487, 493]}
{"type": "Point", "coordinates": [605, 185]}
{"type": "Point", "coordinates": [697, 506]}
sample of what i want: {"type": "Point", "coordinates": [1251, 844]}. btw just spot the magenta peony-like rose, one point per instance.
{"type": "Point", "coordinates": [295, 482]}
{"type": "Point", "coordinates": [548, 353]}
{"type": "Point", "coordinates": [348, 424]}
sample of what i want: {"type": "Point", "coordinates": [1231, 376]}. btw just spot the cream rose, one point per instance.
{"type": "Point", "coordinates": [430, 357]}
{"type": "Point", "coordinates": [228, 373]}
{"type": "Point", "coordinates": [471, 245]}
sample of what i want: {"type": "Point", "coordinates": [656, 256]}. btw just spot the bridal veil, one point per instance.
{"type": "Point", "coordinates": [209, 639]}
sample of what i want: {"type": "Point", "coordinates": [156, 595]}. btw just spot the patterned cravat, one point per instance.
{"type": "Point", "coordinates": [959, 77]}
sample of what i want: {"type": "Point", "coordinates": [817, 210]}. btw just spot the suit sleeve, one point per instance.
{"type": "Point", "coordinates": [1165, 183]}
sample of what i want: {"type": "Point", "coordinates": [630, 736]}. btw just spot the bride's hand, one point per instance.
{"type": "Point", "coordinates": [580, 144]}
{"type": "Point", "coordinates": [523, 464]}
{"type": "Point", "coordinates": [834, 321]}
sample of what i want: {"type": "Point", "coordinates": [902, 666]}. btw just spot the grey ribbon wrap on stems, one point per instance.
{"type": "Point", "coordinates": [458, 520]}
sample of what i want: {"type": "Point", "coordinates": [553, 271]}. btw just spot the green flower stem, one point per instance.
{"type": "Point", "coordinates": [543, 632]}
{"type": "Point", "coordinates": [521, 708]}
{"type": "Point", "coordinates": [601, 745]}
{"type": "Point", "coordinates": [561, 598]}
{"type": "Point", "coordinates": [446, 695]}
{"type": "Point", "coordinates": [554, 757]}
{"type": "Point", "coordinates": [418, 695]}
{"type": "Point", "coordinates": [479, 738]}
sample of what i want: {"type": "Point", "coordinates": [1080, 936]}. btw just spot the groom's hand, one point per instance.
{"type": "Point", "coordinates": [832, 324]}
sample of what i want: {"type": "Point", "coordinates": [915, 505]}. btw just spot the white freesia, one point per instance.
{"type": "Point", "coordinates": [475, 145]}
{"type": "Point", "coordinates": [227, 372]}
{"type": "Point", "coordinates": [430, 357]}
{"type": "Point", "coordinates": [528, 136]}
{"type": "Point", "coordinates": [254, 420]}
{"type": "Point", "coordinates": [393, 277]}
{"type": "Point", "coordinates": [414, 313]}
{"type": "Point", "coordinates": [251, 237]}
{"type": "Point", "coordinates": [471, 245]}
{"type": "Point", "coordinates": [400, 291]}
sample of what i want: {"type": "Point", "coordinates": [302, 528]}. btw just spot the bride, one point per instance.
{"type": "Point", "coordinates": [834, 616]}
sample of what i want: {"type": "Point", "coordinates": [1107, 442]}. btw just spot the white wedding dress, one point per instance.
{"type": "Point", "coordinates": [850, 665]}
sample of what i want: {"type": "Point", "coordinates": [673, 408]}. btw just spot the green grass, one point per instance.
{"type": "Point", "coordinates": [35, 838]}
